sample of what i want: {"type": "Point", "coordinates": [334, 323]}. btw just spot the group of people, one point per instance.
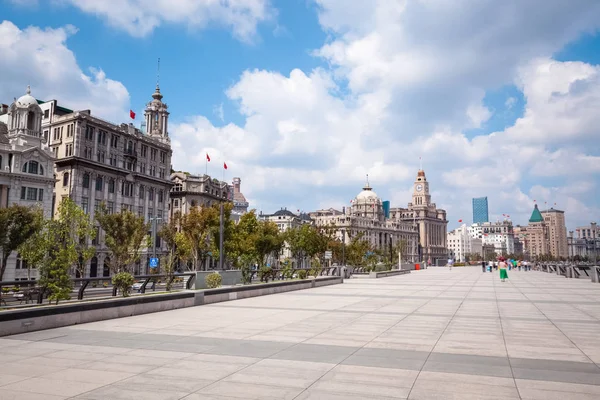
{"type": "Point", "coordinates": [504, 265]}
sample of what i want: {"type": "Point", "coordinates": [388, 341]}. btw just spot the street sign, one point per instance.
{"type": "Point", "coordinates": [153, 262]}
{"type": "Point", "coordinates": [328, 255]}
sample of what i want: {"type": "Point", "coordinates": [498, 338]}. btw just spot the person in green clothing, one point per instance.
{"type": "Point", "coordinates": [502, 267]}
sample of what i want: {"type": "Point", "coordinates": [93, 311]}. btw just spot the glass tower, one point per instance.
{"type": "Point", "coordinates": [480, 210]}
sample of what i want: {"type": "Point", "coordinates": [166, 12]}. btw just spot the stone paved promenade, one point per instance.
{"type": "Point", "coordinates": [433, 334]}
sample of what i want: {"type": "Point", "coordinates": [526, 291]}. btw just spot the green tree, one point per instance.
{"type": "Point", "coordinates": [357, 250]}
{"type": "Point", "coordinates": [267, 241]}
{"type": "Point", "coordinates": [196, 228]}
{"type": "Point", "coordinates": [125, 233]}
{"type": "Point", "coordinates": [177, 245]}
{"type": "Point", "coordinates": [305, 241]}
{"type": "Point", "coordinates": [17, 224]}
{"type": "Point", "coordinates": [241, 249]}
{"type": "Point", "coordinates": [57, 247]}
{"type": "Point", "coordinates": [228, 232]}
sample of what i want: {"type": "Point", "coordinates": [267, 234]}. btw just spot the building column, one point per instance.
{"type": "Point", "coordinates": [3, 196]}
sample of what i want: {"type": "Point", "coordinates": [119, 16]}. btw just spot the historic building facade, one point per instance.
{"type": "Point", "coordinates": [499, 234]}
{"type": "Point", "coordinates": [120, 166]}
{"type": "Point", "coordinates": [430, 221]}
{"type": "Point", "coordinates": [366, 218]}
{"type": "Point", "coordinates": [196, 191]}
{"type": "Point", "coordinates": [461, 243]}
{"type": "Point", "coordinates": [546, 234]}
{"type": "Point", "coordinates": [26, 167]}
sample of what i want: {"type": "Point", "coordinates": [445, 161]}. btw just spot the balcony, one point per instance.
{"type": "Point", "coordinates": [130, 153]}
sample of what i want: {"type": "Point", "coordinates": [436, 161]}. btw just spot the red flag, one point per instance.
{"type": "Point", "coordinates": [131, 114]}
{"type": "Point", "coordinates": [225, 165]}
{"type": "Point", "coordinates": [460, 220]}
{"type": "Point", "coordinates": [207, 157]}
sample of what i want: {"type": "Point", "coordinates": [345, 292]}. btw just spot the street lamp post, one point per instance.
{"type": "Point", "coordinates": [594, 238]}
{"type": "Point", "coordinates": [153, 220]}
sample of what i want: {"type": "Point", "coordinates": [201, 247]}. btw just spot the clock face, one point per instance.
{"type": "Point", "coordinates": [419, 187]}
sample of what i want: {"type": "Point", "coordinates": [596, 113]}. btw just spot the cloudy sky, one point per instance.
{"type": "Point", "coordinates": [303, 98]}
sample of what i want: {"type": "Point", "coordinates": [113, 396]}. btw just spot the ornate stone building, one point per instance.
{"type": "Point", "coordinates": [196, 191]}
{"type": "Point", "coordinates": [118, 165]}
{"type": "Point", "coordinates": [534, 236]}
{"type": "Point", "coordinates": [240, 204]}
{"type": "Point", "coordinates": [26, 167]}
{"type": "Point", "coordinates": [430, 221]}
{"type": "Point", "coordinates": [366, 217]}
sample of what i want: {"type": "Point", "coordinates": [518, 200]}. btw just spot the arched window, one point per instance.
{"type": "Point", "coordinates": [94, 267]}
{"type": "Point", "coordinates": [33, 167]}
{"type": "Point", "coordinates": [86, 180]}
{"type": "Point", "coordinates": [66, 179]}
{"type": "Point", "coordinates": [106, 268]}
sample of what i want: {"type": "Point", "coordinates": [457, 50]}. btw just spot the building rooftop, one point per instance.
{"type": "Point", "coordinates": [536, 216]}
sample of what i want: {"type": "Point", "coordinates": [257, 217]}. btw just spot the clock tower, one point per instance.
{"type": "Point", "coordinates": [421, 196]}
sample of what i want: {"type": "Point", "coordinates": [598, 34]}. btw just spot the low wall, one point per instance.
{"type": "Point", "coordinates": [393, 272]}
{"type": "Point", "coordinates": [13, 322]}
{"type": "Point", "coordinates": [229, 278]}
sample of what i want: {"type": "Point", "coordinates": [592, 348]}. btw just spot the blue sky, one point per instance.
{"type": "Point", "coordinates": [303, 98]}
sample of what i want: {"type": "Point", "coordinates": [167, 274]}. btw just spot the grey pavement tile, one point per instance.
{"type": "Point", "coordinates": [315, 352]}
{"type": "Point", "coordinates": [88, 376]}
{"type": "Point", "coordinates": [468, 359]}
{"type": "Point", "coordinates": [250, 391]}
{"type": "Point", "coordinates": [313, 394]}
{"type": "Point", "coordinates": [18, 395]}
{"type": "Point", "coordinates": [131, 393]}
{"type": "Point", "coordinates": [250, 348]}
{"type": "Point", "coordinates": [554, 365]}
{"type": "Point", "coordinates": [470, 369]}
{"type": "Point", "coordinates": [150, 381]}
{"type": "Point", "coordinates": [53, 387]}
{"type": "Point", "coordinates": [557, 376]}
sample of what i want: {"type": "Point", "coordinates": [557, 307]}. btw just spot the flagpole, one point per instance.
{"type": "Point", "coordinates": [206, 162]}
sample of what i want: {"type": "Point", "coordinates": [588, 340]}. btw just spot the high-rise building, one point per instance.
{"type": "Point", "coordinates": [557, 232]}
{"type": "Point", "coordinates": [480, 210]}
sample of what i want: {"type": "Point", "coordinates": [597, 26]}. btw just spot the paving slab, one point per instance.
{"type": "Point", "coordinates": [432, 334]}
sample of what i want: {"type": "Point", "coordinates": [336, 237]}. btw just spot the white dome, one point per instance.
{"type": "Point", "coordinates": [367, 195]}
{"type": "Point", "coordinates": [26, 100]}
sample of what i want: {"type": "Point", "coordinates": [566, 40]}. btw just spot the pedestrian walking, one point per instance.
{"type": "Point", "coordinates": [502, 266]}
{"type": "Point", "coordinates": [483, 266]}
{"type": "Point", "coordinates": [450, 262]}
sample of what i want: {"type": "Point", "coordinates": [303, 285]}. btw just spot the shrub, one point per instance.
{"type": "Point", "coordinates": [264, 273]}
{"type": "Point", "coordinates": [287, 272]}
{"type": "Point", "coordinates": [246, 274]}
{"type": "Point", "coordinates": [213, 280]}
{"type": "Point", "coordinates": [382, 267]}
{"type": "Point", "coordinates": [302, 274]}
{"type": "Point", "coordinates": [123, 282]}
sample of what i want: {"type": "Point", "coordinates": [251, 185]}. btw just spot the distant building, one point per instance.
{"type": "Point", "coordinates": [546, 234]}
{"type": "Point", "coordinates": [557, 232]}
{"type": "Point", "coordinates": [461, 243]}
{"type": "Point", "coordinates": [240, 204]}
{"type": "Point", "coordinates": [431, 222]}
{"type": "Point", "coordinates": [285, 220]}
{"type": "Point", "coordinates": [480, 210]}
{"type": "Point", "coordinates": [366, 217]}
{"type": "Point", "coordinates": [196, 191]}
{"type": "Point", "coordinates": [498, 234]}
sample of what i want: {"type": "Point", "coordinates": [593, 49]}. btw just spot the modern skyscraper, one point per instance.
{"type": "Point", "coordinates": [480, 210]}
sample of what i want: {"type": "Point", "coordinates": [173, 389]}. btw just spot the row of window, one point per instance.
{"type": "Point", "coordinates": [32, 194]}
{"type": "Point", "coordinates": [127, 188]}
{"type": "Point", "coordinates": [129, 146]}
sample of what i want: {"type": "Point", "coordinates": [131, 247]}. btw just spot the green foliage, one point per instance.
{"type": "Point", "coordinates": [315, 268]}
{"type": "Point", "coordinates": [356, 251]}
{"type": "Point", "coordinates": [213, 280]}
{"type": "Point", "coordinates": [246, 274]}
{"type": "Point", "coordinates": [286, 271]}
{"type": "Point", "coordinates": [302, 274]}
{"type": "Point", "coordinates": [264, 273]}
{"type": "Point", "coordinates": [123, 281]}
{"type": "Point", "coordinates": [305, 241]}
{"type": "Point", "coordinates": [124, 235]}
{"type": "Point", "coordinates": [17, 224]}
{"type": "Point", "coordinates": [167, 264]}
{"type": "Point", "coordinates": [196, 233]}
{"type": "Point", "coordinates": [57, 247]}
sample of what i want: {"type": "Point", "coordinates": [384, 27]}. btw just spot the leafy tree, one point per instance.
{"type": "Point", "coordinates": [17, 224]}
{"type": "Point", "coordinates": [305, 241]}
{"type": "Point", "coordinates": [356, 251]}
{"type": "Point", "coordinates": [124, 236]}
{"type": "Point", "coordinates": [267, 241]}
{"type": "Point", "coordinates": [228, 231]}
{"type": "Point", "coordinates": [196, 228]}
{"type": "Point", "coordinates": [177, 245]}
{"type": "Point", "coordinates": [56, 248]}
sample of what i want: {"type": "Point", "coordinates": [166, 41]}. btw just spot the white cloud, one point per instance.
{"type": "Point", "coordinates": [141, 17]}
{"type": "Point", "coordinates": [41, 58]}
{"type": "Point", "coordinates": [405, 79]}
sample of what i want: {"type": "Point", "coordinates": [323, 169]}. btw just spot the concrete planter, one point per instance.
{"type": "Point", "coordinates": [229, 278]}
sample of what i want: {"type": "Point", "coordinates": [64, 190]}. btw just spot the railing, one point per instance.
{"type": "Point", "coordinates": [30, 290]}
{"type": "Point", "coordinates": [573, 270]}
{"type": "Point", "coordinates": [275, 274]}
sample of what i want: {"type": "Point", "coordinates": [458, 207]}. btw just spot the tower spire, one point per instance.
{"type": "Point", "coordinates": [158, 73]}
